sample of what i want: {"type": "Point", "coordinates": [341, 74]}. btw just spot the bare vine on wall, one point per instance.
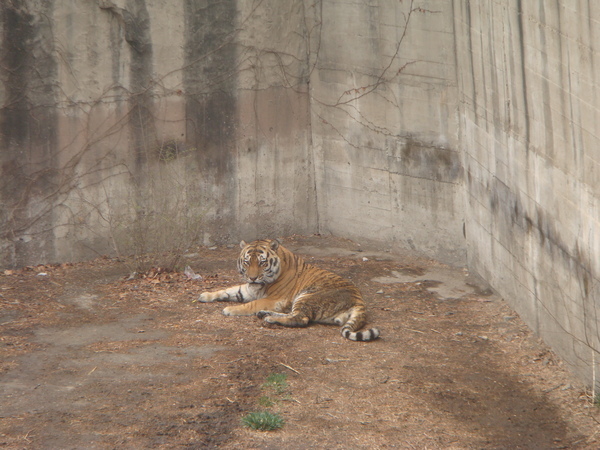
{"type": "Point", "coordinates": [86, 188]}
{"type": "Point", "coordinates": [380, 83]}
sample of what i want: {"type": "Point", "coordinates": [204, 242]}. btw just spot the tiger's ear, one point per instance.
{"type": "Point", "coordinates": [274, 244]}
{"type": "Point", "coordinates": [243, 243]}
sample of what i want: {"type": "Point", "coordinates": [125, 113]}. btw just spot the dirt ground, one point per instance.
{"type": "Point", "coordinates": [92, 359]}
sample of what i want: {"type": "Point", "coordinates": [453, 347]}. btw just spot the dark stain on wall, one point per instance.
{"type": "Point", "coordinates": [28, 125]}
{"type": "Point", "coordinates": [209, 82]}
{"type": "Point", "coordinates": [432, 163]}
{"type": "Point", "coordinates": [135, 20]}
{"type": "Point", "coordinates": [138, 36]}
{"type": "Point", "coordinates": [544, 80]}
{"type": "Point", "coordinates": [523, 63]}
{"type": "Point", "coordinates": [27, 118]}
{"type": "Point", "coordinates": [512, 222]}
{"type": "Point", "coordinates": [17, 39]}
{"type": "Point", "coordinates": [469, 33]}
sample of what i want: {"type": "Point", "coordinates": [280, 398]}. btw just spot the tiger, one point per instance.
{"type": "Point", "coordinates": [282, 289]}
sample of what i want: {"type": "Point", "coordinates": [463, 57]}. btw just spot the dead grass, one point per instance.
{"type": "Point", "coordinates": [91, 359]}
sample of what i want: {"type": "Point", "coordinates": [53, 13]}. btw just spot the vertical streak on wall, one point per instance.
{"type": "Point", "coordinates": [209, 81]}
{"type": "Point", "coordinates": [135, 21]}
{"type": "Point", "coordinates": [138, 36]}
{"type": "Point", "coordinates": [141, 119]}
{"type": "Point", "coordinates": [523, 65]}
{"type": "Point", "coordinates": [27, 131]}
{"type": "Point", "coordinates": [533, 184]}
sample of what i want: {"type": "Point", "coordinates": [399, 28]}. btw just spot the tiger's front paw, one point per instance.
{"type": "Point", "coordinates": [263, 314]}
{"type": "Point", "coordinates": [229, 311]}
{"type": "Point", "coordinates": [205, 297]}
{"type": "Point", "coordinates": [270, 319]}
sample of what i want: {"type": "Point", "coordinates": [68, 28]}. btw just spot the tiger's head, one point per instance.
{"type": "Point", "coordinates": [259, 262]}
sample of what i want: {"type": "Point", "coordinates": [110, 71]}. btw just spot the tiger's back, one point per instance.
{"type": "Point", "coordinates": [283, 289]}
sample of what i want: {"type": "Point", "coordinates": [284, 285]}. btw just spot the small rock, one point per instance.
{"type": "Point", "coordinates": [380, 291]}
{"type": "Point", "coordinates": [188, 272]}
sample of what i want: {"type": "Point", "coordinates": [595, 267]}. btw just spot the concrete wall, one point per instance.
{"type": "Point", "coordinates": [217, 120]}
{"type": "Point", "coordinates": [129, 126]}
{"type": "Point", "coordinates": [530, 108]}
{"type": "Point", "coordinates": [385, 122]}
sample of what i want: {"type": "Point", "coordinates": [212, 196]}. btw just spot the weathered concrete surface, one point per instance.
{"type": "Point", "coordinates": [165, 125]}
{"type": "Point", "coordinates": [384, 100]}
{"type": "Point", "coordinates": [130, 126]}
{"type": "Point", "coordinates": [529, 108]}
{"type": "Point", "coordinates": [28, 131]}
{"type": "Point", "coordinates": [275, 167]}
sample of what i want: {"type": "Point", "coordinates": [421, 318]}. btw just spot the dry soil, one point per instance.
{"type": "Point", "coordinates": [93, 358]}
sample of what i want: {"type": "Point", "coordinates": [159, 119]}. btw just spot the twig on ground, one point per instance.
{"type": "Point", "coordinates": [288, 367]}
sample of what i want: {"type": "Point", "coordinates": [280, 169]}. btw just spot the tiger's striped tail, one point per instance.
{"type": "Point", "coordinates": [368, 335]}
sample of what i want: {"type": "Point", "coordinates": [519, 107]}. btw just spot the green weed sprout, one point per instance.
{"type": "Point", "coordinates": [263, 421]}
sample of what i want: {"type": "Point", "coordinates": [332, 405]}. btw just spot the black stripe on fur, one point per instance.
{"type": "Point", "coordinates": [362, 336]}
